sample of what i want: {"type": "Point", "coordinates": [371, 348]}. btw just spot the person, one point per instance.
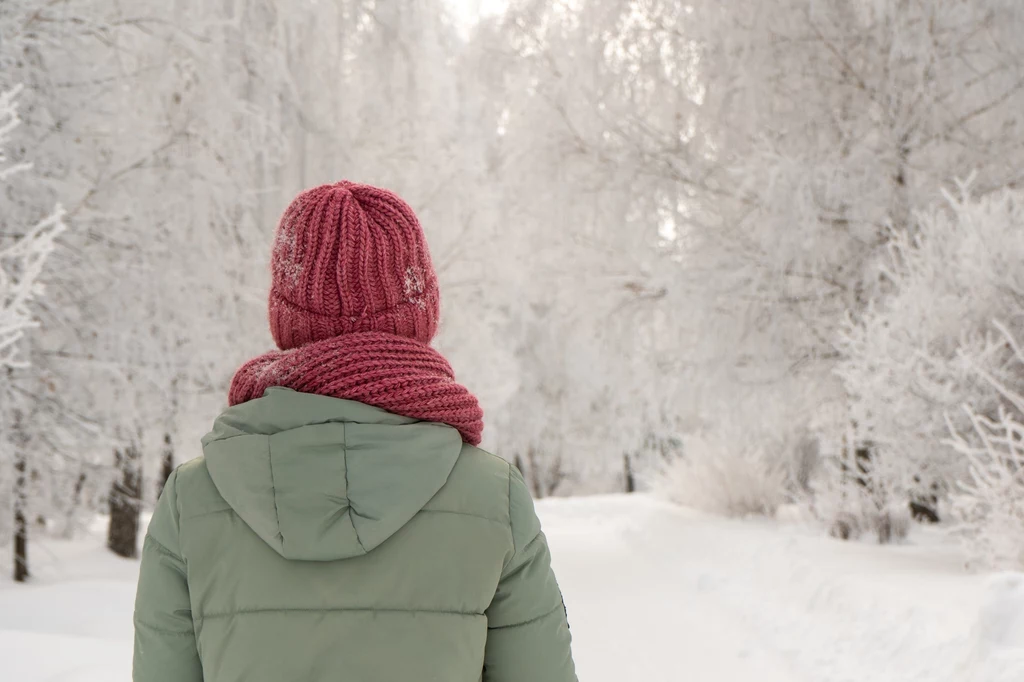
{"type": "Point", "coordinates": [342, 524]}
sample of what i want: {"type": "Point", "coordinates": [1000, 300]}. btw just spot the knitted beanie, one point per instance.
{"type": "Point", "coordinates": [351, 258]}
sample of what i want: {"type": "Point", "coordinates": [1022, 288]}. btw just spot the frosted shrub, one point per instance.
{"type": "Point", "coordinates": [990, 502]}
{"type": "Point", "coordinates": [914, 358]}
{"type": "Point", "coordinates": [733, 477]}
{"type": "Point", "coordinates": [852, 510]}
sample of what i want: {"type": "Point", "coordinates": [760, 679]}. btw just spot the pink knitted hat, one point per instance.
{"type": "Point", "coordinates": [351, 258]}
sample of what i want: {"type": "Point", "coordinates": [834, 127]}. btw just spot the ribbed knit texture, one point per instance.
{"type": "Point", "coordinates": [354, 304]}
{"type": "Point", "coordinates": [400, 375]}
{"type": "Point", "coordinates": [351, 258]}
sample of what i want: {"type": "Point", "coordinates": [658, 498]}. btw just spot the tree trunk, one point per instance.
{"type": "Point", "coordinates": [167, 458]}
{"type": "Point", "coordinates": [630, 481]}
{"type": "Point", "coordinates": [125, 503]}
{"type": "Point", "coordinates": [76, 502]}
{"type": "Point", "coordinates": [901, 201]}
{"type": "Point", "coordinates": [166, 464]}
{"type": "Point", "coordinates": [19, 442]}
{"type": "Point", "coordinates": [20, 521]}
{"type": "Point", "coordinates": [536, 485]}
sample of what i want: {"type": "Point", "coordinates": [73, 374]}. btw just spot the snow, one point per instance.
{"type": "Point", "coordinates": [74, 622]}
{"type": "Point", "coordinates": [654, 592]}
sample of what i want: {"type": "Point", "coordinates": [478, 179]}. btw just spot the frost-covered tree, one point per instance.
{"type": "Point", "coordinates": [990, 502]}
{"type": "Point", "coordinates": [154, 124]}
{"type": "Point", "coordinates": [585, 230]}
{"type": "Point", "coordinates": [740, 170]}
{"type": "Point", "coordinates": [776, 148]}
{"type": "Point", "coordinates": [934, 372]}
{"type": "Point", "coordinates": [824, 126]}
{"type": "Point", "coordinates": [23, 254]}
{"type": "Point", "coordinates": [655, 223]}
{"type": "Point", "coordinates": [193, 221]}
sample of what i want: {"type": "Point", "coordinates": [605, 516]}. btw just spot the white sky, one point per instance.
{"type": "Point", "coordinates": [468, 12]}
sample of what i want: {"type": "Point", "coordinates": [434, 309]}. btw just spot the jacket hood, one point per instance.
{"type": "Point", "coordinates": [321, 478]}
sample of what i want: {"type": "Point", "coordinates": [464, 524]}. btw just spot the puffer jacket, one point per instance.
{"type": "Point", "coordinates": [321, 539]}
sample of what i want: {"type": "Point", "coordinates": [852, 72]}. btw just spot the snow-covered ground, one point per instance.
{"type": "Point", "coordinates": [654, 593]}
{"type": "Point", "coordinates": [657, 593]}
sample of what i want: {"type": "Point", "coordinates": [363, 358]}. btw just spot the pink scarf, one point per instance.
{"type": "Point", "coordinates": [394, 373]}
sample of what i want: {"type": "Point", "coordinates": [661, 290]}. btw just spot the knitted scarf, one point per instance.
{"type": "Point", "coordinates": [394, 373]}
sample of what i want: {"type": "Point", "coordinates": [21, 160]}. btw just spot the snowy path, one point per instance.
{"type": "Point", "coordinates": [654, 594]}
{"type": "Point", "coordinates": [633, 616]}
{"type": "Point", "coordinates": [661, 594]}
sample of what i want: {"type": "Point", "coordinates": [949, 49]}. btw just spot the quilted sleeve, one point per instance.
{"type": "Point", "coordinates": [528, 636]}
{"type": "Point", "coordinates": [165, 642]}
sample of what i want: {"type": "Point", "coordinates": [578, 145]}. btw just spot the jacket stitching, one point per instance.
{"type": "Point", "coordinates": [163, 631]}
{"type": "Point", "coordinates": [531, 543]}
{"type": "Point", "coordinates": [340, 609]}
{"type": "Point", "coordinates": [329, 420]}
{"type": "Point", "coordinates": [511, 533]}
{"type": "Point", "coordinates": [352, 511]}
{"type": "Point", "coordinates": [172, 483]}
{"type": "Point", "coordinates": [522, 566]}
{"type": "Point", "coordinates": [421, 511]}
{"type": "Point", "coordinates": [528, 622]}
{"type": "Point", "coordinates": [273, 492]}
{"type": "Point", "coordinates": [208, 512]}
{"type": "Point", "coordinates": [458, 513]}
{"type": "Point", "coordinates": [163, 549]}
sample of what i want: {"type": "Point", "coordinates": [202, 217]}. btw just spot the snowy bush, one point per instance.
{"type": "Point", "coordinates": [990, 503]}
{"type": "Point", "coordinates": [851, 506]}
{"type": "Point", "coordinates": [930, 346]}
{"type": "Point", "coordinates": [752, 449]}
{"type": "Point", "coordinates": [737, 476]}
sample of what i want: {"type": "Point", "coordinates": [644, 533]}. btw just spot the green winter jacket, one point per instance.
{"type": "Point", "coordinates": [321, 539]}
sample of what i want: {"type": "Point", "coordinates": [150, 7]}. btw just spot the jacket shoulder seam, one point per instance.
{"type": "Point", "coordinates": [208, 512]}
{"type": "Point", "coordinates": [273, 491]}
{"type": "Point", "coordinates": [531, 621]}
{"type": "Point", "coordinates": [162, 548]}
{"type": "Point", "coordinates": [163, 631]}
{"type": "Point", "coordinates": [353, 512]}
{"type": "Point", "coordinates": [171, 488]}
{"type": "Point", "coordinates": [511, 532]}
{"type": "Point", "coordinates": [461, 513]}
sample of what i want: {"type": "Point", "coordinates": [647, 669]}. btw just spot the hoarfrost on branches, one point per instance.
{"type": "Point", "coordinates": [21, 262]}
